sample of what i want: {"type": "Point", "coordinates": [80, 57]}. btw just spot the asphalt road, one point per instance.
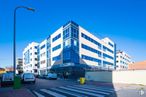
{"type": "Point", "coordinates": [67, 88]}
{"type": "Point", "coordinates": [45, 83]}
{"type": "Point", "coordinates": [70, 88]}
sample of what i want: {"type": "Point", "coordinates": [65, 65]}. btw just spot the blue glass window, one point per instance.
{"type": "Point", "coordinates": [111, 44]}
{"type": "Point", "coordinates": [91, 58]}
{"type": "Point", "coordinates": [107, 63]}
{"type": "Point", "coordinates": [91, 49]}
{"type": "Point", "coordinates": [108, 56]}
{"type": "Point", "coordinates": [105, 48]}
{"type": "Point", "coordinates": [43, 46]}
{"type": "Point", "coordinates": [91, 40]}
{"type": "Point", "coordinates": [56, 37]}
{"type": "Point", "coordinates": [56, 58]}
{"type": "Point", "coordinates": [26, 57]}
{"type": "Point", "coordinates": [36, 47]}
{"type": "Point", "coordinates": [56, 47]}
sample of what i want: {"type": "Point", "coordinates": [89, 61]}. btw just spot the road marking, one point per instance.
{"type": "Point", "coordinates": [111, 89]}
{"type": "Point", "coordinates": [52, 93]}
{"type": "Point", "coordinates": [95, 88]}
{"type": "Point", "coordinates": [70, 93]}
{"type": "Point", "coordinates": [81, 91]}
{"type": "Point", "coordinates": [38, 94]}
{"type": "Point", "coordinates": [89, 90]}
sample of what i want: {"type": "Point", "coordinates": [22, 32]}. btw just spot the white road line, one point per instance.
{"type": "Point", "coordinates": [52, 93]}
{"type": "Point", "coordinates": [38, 94]}
{"type": "Point", "coordinates": [98, 87]}
{"type": "Point", "coordinates": [70, 93]}
{"type": "Point", "coordinates": [95, 88]}
{"type": "Point", "coordinates": [81, 91]}
{"type": "Point", "coordinates": [105, 93]}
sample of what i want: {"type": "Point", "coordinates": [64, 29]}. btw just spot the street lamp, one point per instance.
{"type": "Point", "coordinates": [14, 36]}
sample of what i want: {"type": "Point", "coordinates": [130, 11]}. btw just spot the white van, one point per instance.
{"type": "Point", "coordinates": [28, 77]}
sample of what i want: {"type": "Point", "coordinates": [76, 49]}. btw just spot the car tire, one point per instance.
{"type": "Point", "coordinates": [2, 84]}
{"type": "Point", "coordinates": [33, 82]}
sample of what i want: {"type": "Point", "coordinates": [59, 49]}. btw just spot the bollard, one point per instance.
{"type": "Point", "coordinates": [82, 80]}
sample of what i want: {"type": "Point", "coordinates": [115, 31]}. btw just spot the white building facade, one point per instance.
{"type": "Point", "coordinates": [71, 46]}
{"type": "Point", "coordinates": [123, 60]}
{"type": "Point", "coordinates": [30, 58]}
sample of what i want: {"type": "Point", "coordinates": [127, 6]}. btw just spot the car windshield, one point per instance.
{"type": "Point", "coordinates": [8, 76]}
{"type": "Point", "coordinates": [29, 75]}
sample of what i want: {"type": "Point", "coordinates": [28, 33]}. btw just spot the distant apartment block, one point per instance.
{"type": "Point", "coordinates": [72, 48]}
{"type": "Point", "coordinates": [123, 60]}
{"type": "Point", "coordinates": [19, 64]}
{"type": "Point", "coordinates": [30, 58]}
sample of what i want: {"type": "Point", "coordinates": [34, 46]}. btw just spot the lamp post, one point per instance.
{"type": "Point", "coordinates": [14, 36]}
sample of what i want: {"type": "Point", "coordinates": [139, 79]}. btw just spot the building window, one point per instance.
{"type": "Point", "coordinates": [43, 46]}
{"type": "Point", "coordinates": [35, 53]}
{"type": "Point", "coordinates": [107, 56]}
{"type": "Point", "coordinates": [66, 33]}
{"type": "Point", "coordinates": [91, 40]}
{"type": "Point", "coordinates": [111, 44]}
{"type": "Point", "coordinates": [43, 62]}
{"type": "Point", "coordinates": [91, 49]}
{"type": "Point", "coordinates": [56, 47]}
{"type": "Point", "coordinates": [107, 49]}
{"type": "Point", "coordinates": [91, 58]}
{"type": "Point", "coordinates": [56, 58]}
{"type": "Point", "coordinates": [35, 71]}
{"type": "Point", "coordinates": [107, 63]}
{"type": "Point", "coordinates": [35, 47]}
{"type": "Point", "coordinates": [56, 37]}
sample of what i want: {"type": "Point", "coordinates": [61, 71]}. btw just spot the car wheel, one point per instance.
{"type": "Point", "coordinates": [2, 84]}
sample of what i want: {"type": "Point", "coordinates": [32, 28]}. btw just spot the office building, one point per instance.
{"type": "Point", "coordinates": [30, 58]}
{"type": "Point", "coordinates": [19, 64]}
{"type": "Point", "coordinates": [72, 49]}
{"type": "Point", "coordinates": [123, 60]}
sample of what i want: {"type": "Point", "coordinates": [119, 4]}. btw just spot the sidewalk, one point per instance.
{"type": "Point", "coordinates": [116, 86]}
{"type": "Point", "coordinates": [10, 92]}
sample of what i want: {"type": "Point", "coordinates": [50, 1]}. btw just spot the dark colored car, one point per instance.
{"type": "Point", "coordinates": [7, 79]}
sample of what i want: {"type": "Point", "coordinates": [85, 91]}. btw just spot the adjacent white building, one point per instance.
{"type": "Point", "coordinates": [123, 60]}
{"type": "Point", "coordinates": [30, 58]}
{"type": "Point", "coordinates": [96, 52]}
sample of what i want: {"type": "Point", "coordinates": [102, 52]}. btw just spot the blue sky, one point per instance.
{"type": "Point", "coordinates": [124, 21]}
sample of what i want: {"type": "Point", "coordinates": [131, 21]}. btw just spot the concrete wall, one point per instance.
{"type": "Point", "coordinates": [127, 77]}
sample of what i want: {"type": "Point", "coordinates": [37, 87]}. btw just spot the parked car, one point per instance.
{"type": "Point", "coordinates": [28, 77]}
{"type": "Point", "coordinates": [51, 76]}
{"type": "Point", "coordinates": [42, 76]}
{"type": "Point", "coordinates": [7, 79]}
